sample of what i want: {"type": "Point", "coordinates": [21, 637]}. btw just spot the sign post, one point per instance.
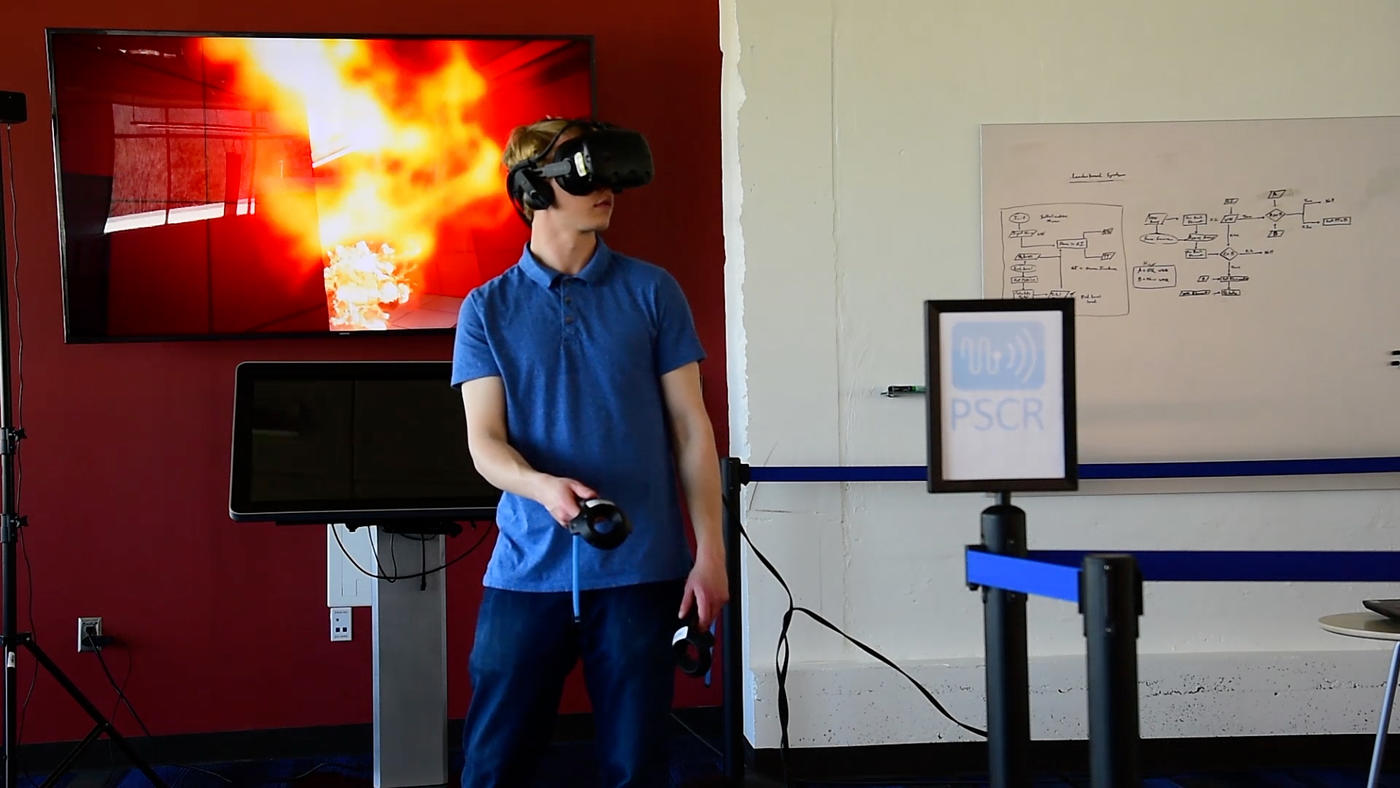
{"type": "Point", "coordinates": [1000, 377]}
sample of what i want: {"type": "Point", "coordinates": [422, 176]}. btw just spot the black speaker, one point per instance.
{"type": "Point", "coordinates": [12, 108]}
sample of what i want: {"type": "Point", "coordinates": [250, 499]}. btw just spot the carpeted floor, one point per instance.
{"type": "Point", "coordinates": [694, 764]}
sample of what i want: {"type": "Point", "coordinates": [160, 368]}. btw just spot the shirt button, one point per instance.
{"type": "Point", "coordinates": [568, 300]}
{"type": "Point", "coordinates": [568, 318]}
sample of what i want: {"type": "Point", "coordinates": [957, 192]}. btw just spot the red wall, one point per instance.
{"type": "Point", "coordinates": [125, 472]}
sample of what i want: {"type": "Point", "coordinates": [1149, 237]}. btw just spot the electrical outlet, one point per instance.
{"type": "Point", "coordinates": [84, 623]}
{"type": "Point", "coordinates": [340, 623]}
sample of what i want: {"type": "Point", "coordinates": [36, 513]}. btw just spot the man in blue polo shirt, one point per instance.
{"type": "Point", "coordinates": [579, 372]}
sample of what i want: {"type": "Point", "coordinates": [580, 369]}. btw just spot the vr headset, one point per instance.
{"type": "Point", "coordinates": [602, 157]}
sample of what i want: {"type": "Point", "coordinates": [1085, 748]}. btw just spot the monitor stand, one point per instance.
{"type": "Point", "coordinates": [410, 654]}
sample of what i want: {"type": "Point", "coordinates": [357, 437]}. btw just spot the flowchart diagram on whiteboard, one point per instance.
{"type": "Point", "coordinates": [1235, 283]}
{"type": "Point", "coordinates": [1202, 254]}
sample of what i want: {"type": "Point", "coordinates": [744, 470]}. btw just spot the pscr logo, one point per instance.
{"type": "Point", "coordinates": [1001, 356]}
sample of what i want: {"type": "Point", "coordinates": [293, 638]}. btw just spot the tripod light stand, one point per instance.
{"type": "Point", "coordinates": [12, 110]}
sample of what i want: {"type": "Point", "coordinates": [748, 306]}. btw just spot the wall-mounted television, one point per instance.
{"type": "Point", "coordinates": [364, 442]}
{"type": "Point", "coordinates": [243, 185]}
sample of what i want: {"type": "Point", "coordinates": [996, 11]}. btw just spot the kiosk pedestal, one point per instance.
{"type": "Point", "coordinates": [410, 664]}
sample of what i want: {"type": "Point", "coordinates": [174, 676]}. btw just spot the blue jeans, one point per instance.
{"type": "Point", "coordinates": [526, 645]}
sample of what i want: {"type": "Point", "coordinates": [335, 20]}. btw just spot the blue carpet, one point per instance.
{"type": "Point", "coordinates": [694, 764]}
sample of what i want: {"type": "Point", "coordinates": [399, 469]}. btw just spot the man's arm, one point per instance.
{"type": "Point", "coordinates": [500, 464]}
{"type": "Point", "coordinates": [698, 465]}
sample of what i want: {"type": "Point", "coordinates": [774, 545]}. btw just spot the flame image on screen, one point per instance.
{"type": "Point", "coordinates": [395, 149]}
{"type": "Point", "coordinates": [360, 280]}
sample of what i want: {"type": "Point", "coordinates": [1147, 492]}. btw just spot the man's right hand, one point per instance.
{"type": "Point", "coordinates": [561, 497]}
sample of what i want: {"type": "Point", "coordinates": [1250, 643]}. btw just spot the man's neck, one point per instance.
{"type": "Point", "coordinates": [565, 252]}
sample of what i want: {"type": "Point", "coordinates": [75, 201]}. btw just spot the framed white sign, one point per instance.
{"type": "Point", "coordinates": [1000, 379]}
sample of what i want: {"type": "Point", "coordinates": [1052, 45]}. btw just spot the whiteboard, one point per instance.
{"type": "Point", "coordinates": [1236, 283]}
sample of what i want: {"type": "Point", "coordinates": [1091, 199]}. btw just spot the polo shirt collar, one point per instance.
{"type": "Point", "coordinates": [593, 271]}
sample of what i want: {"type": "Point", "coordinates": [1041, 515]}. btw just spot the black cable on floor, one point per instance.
{"type": "Point", "coordinates": [782, 654]}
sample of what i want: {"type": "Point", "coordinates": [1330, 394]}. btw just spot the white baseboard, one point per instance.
{"type": "Point", "coordinates": [1181, 695]}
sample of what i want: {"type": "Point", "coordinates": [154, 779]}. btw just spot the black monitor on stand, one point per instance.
{"type": "Point", "coordinates": [357, 442]}
{"type": "Point", "coordinates": [371, 443]}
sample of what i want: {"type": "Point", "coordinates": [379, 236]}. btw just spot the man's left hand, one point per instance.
{"type": "Point", "coordinates": [707, 588]}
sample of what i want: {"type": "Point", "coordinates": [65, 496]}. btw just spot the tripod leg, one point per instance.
{"type": "Point", "coordinates": [71, 758]}
{"type": "Point", "coordinates": [11, 690]}
{"type": "Point", "coordinates": [103, 724]}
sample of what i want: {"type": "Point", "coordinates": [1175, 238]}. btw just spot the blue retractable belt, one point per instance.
{"type": "Point", "coordinates": [1055, 573]}
{"type": "Point", "coordinates": [1011, 573]}
{"type": "Point", "coordinates": [1125, 470]}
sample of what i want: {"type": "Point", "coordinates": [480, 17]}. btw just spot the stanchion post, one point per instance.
{"type": "Point", "coordinates": [734, 474]}
{"type": "Point", "coordinates": [1008, 681]}
{"type": "Point", "coordinates": [1110, 598]}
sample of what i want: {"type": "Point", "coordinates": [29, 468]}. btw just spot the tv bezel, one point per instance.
{"type": "Point", "coordinates": [242, 509]}
{"type": "Point", "coordinates": [49, 32]}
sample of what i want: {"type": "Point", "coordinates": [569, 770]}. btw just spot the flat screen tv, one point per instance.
{"type": "Point", "coordinates": [240, 185]}
{"type": "Point", "coordinates": [352, 442]}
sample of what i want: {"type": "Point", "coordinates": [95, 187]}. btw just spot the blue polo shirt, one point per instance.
{"type": "Point", "coordinates": [581, 359]}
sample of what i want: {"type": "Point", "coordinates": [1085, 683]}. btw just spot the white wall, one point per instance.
{"type": "Point", "coordinates": [851, 195]}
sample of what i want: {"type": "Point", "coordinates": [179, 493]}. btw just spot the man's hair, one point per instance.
{"type": "Point", "coordinates": [527, 142]}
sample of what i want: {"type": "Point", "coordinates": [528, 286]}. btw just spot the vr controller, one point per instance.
{"type": "Point", "coordinates": [602, 157]}
{"type": "Point", "coordinates": [602, 524]}
{"type": "Point", "coordinates": [691, 645]}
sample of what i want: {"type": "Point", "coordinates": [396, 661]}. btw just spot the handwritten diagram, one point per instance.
{"type": "Point", "coordinates": [1062, 250]}
{"type": "Point", "coordinates": [1080, 250]}
{"type": "Point", "coordinates": [1229, 280]}
{"type": "Point", "coordinates": [1247, 310]}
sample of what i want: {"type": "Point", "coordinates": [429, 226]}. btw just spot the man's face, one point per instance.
{"type": "Point", "coordinates": [580, 213]}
